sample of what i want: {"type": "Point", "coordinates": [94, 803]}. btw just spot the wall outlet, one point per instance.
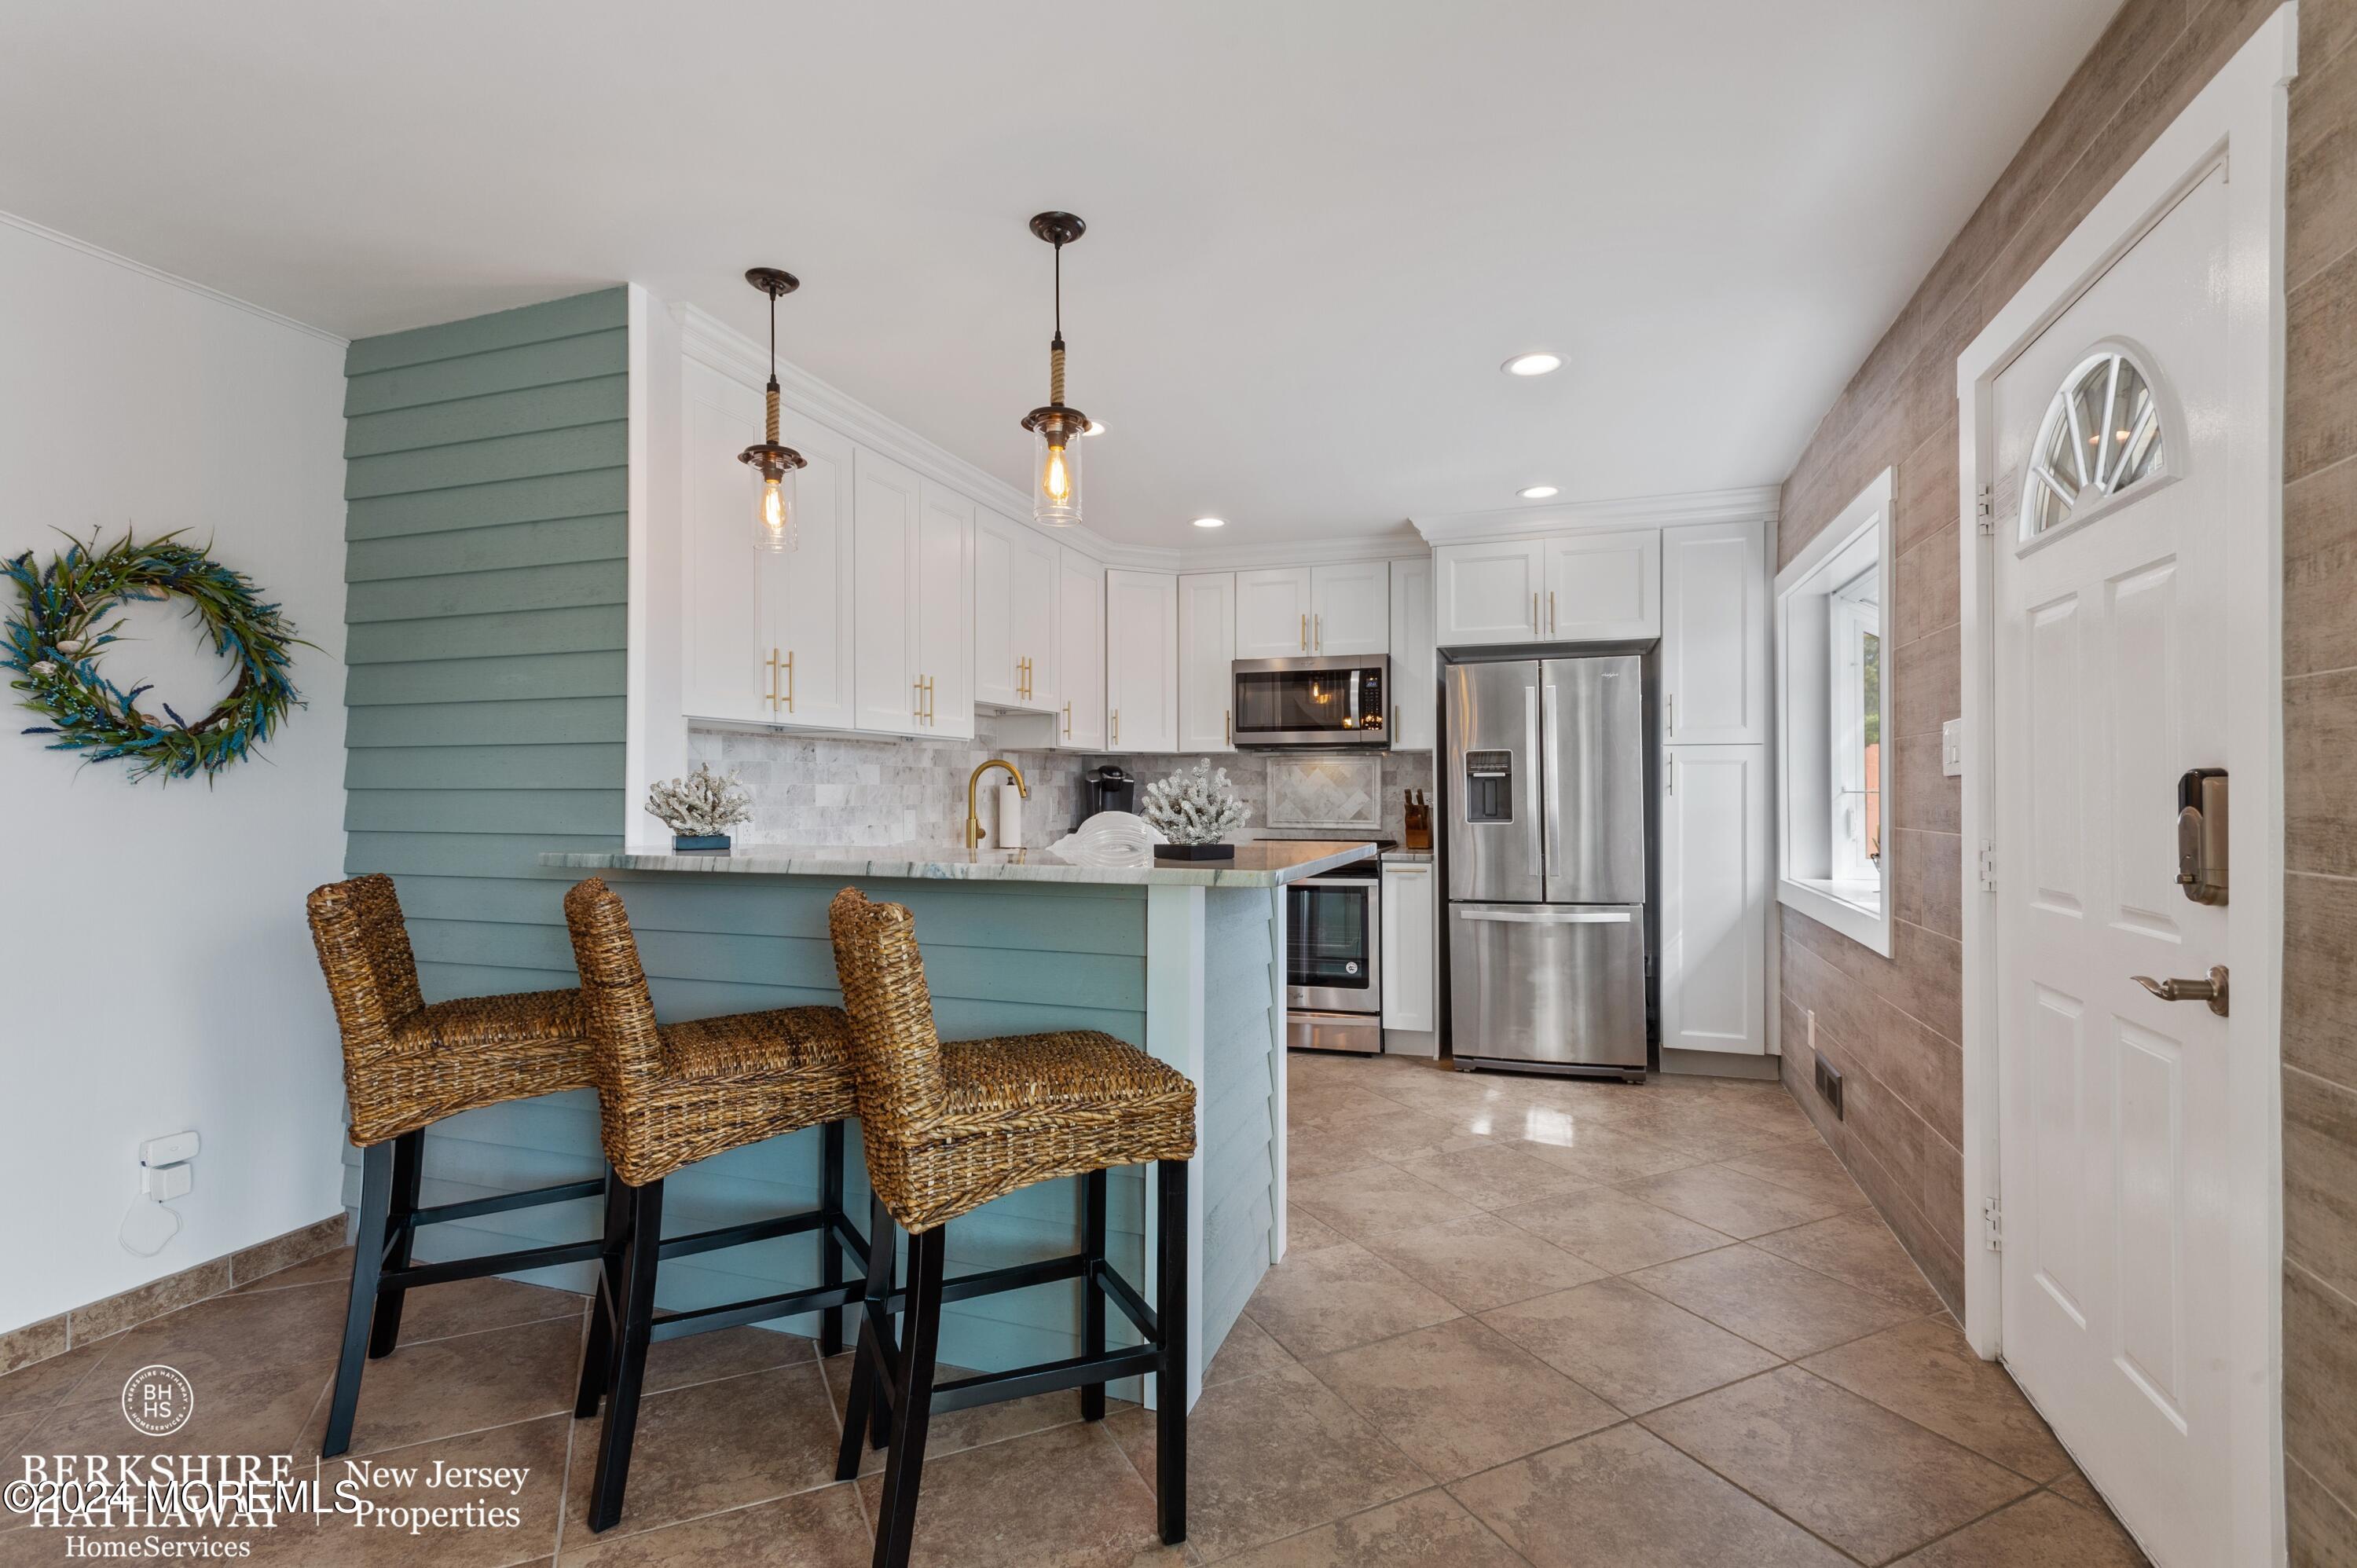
{"type": "Point", "coordinates": [1951, 749]}
{"type": "Point", "coordinates": [164, 1183]}
{"type": "Point", "coordinates": [1829, 1078]}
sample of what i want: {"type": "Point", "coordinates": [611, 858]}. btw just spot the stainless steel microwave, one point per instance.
{"type": "Point", "coordinates": [1326, 701]}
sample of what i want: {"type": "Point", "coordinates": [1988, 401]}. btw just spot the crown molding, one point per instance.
{"type": "Point", "coordinates": [100, 252]}
{"type": "Point", "coordinates": [1757, 503]}
{"type": "Point", "coordinates": [1330, 551]}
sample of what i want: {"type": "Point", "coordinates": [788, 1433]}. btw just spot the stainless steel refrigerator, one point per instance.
{"type": "Point", "coordinates": [1546, 863]}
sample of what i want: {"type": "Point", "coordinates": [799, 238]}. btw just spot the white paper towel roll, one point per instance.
{"type": "Point", "coordinates": [1010, 817]}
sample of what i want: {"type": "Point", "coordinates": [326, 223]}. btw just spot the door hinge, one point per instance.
{"type": "Point", "coordinates": [1984, 510]}
{"type": "Point", "coordinates": [1993, 1224]}
{"type": "Point", "coordinates": [1988, 866]}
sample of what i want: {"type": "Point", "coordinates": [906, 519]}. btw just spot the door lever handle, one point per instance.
{"type": "Point", "coordinates": [2213, 990]}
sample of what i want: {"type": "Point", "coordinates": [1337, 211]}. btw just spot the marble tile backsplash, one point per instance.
{"type": "Point", "coordinates": [830, 791]}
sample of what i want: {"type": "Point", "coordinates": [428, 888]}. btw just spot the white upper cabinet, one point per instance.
{"type": "Point", "coordinates": [1489, 591]}
{"type": "Point", "coordinates": [885, 509]}
{"type": "Point", "coordinates": [1350, 608]}
{"type": "Point", "coordinates": [943, 612]}
{"type": "Point", "coordinates": [1207, 651]}
{"type": "Point", "coordinates": [1715, 635]}
{"type": "Point", "coordinates": [1081, 652]}
{"type": "Point", "coordinates": [767, 638]}
{"type": "Point", "coordinates": [1273, 608]}
{"type": "Point", "coordinates": [1413, 692]}
{"type": "Point", "coordinates": [1715, 895]}
{"type": "Point", "coordinates": [1142, 660]}
{"type": "Point", "coordinates": [1604, 587]}
{"type": "Point", "coordinates": [1015, 576]}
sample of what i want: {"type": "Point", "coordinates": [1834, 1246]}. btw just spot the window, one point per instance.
{"type": "Point", "coordinates": [2100, 435]}
{"type": "Point", "coordinates": [1832, 669]}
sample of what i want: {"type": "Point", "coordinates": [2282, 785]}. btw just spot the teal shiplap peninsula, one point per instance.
{"type": "Point", "coordinates": [1185, 961]}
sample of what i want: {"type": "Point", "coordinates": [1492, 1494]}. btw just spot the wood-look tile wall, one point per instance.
{"type": "Point", "coordinates": [1892, 1025]}
{"type": "Point", "coordinates": [2320, 1039]}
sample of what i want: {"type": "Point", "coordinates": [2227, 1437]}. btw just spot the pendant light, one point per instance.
{"type": "Point", "coordinates": [1056, 429]}
{"type": "Point", "coordinates": [773, 507]}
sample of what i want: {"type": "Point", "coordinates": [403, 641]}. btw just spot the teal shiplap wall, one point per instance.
{"type": "Point", "coordinates": [1237, 1121]}
{"type": "Point", "coordinates": [487, 568]}
{"type": "Point", "coordinates": [485, 562]}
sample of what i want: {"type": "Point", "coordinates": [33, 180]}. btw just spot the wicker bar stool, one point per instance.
{"type": "Point", "coordinates": [406, 1065]}
{"type": "Point", "coordinates": [946, 1129]}
{"type": "Point", "coordinates": [670, 1095]}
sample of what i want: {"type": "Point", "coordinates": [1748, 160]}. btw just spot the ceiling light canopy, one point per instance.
{"type": "Point", "coordinates": [1537, 492]}
{"type": "Point", "coordinates": [1537, 362]}
{"type": "Point", "coordinates": [1211, 522]}
{"type": "Point", "coordinates": [773, 509]}
{"type": "Point", "coordinates": [1054, 456]}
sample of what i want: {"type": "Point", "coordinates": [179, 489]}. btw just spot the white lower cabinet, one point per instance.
{"type": "Point", "coordinates": [1080, 652]}
{"type": "Point", "coordinates": [1410, 947]}
{"type": "Point", "coordinates": [1415, 689]}
{"type": "Point", "coordinates": [1207, 654]}
{"type": "Point", "coordinates": [1142, 660]}
{"type": "Point", "coordinates": [1714, 897]}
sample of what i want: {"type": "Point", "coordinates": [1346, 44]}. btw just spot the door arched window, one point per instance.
{"type": "Point", "coordinates": [2102, 435]}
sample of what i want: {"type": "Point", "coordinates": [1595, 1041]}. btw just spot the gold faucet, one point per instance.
{"type": "Point", "coordinates": [973, 822]}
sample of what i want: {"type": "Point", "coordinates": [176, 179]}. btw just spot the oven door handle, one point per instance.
{"type": "Point", "coordinates": [1549, 917]}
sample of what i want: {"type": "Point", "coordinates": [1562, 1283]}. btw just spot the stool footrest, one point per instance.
{"type": "Point", "coordinates": [737, 1235]}
{"type": "Point", "coordinates": [418, 1274]}
{"type": "Point", "coordinates": [760, 1309]}
{"type": "Point", "coordinates": [1022, 1382]}
{"type": "Point", "coordinates": [474, 1206]}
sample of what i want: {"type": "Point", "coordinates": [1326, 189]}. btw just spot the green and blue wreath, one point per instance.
{"type": "Point", "coordinates": [61, 626]}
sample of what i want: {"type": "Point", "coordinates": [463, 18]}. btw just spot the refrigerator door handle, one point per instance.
{"type": "Point", "coordinates": [1551, 810]}
{"type": "Point", "coordinates": [1530, 762]}
{"type": "Point", "coordinates": [1548, 917]}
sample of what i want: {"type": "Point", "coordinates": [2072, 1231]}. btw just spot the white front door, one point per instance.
{"type": "Point", "coordinates": [2112, 535]}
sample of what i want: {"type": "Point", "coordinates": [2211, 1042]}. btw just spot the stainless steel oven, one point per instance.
{"type": "Point", "coordinates": [1333, 973]}
{"type": "Point", "coordinates": [1330, 702]}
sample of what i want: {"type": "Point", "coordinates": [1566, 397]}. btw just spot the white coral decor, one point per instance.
{"type": "Point", "coordinates": [702, 804]}
{"type": "Point", "coordinates": [1199, 807]}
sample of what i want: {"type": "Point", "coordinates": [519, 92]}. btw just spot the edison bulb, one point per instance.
{"type": "Point", "coordinates": [773, 519]}
{"type": "Point", "coordinates": [1055, 480]}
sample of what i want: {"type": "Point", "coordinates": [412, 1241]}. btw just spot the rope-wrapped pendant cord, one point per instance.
{"type": "Point", "coordinates": [773, 411]}
{"type": "Point", "coordinates": [1055, 373]}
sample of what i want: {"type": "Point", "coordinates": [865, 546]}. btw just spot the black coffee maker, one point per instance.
{"type": "Point", "coordinates": [1107, 787]}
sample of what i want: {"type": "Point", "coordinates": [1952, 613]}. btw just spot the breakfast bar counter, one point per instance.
{"type": "Point", "coordinates": [1185, 960]}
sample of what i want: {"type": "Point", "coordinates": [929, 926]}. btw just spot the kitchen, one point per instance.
{"type": "Point", "coordinates": [1371, 885]}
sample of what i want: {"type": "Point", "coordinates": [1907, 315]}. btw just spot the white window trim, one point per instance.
{"type": "Point", "coordinates": [1852, 623]}
{"type": "Point", "coordinates": [1804, 696]}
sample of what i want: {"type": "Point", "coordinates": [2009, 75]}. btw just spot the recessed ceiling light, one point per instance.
{"type": "Point", "coordinates": [1096, 427]}
{"type": "Point", "coordinates": [1536, 363]}
{"type": "Point", "coordinates": [1537, 493]}
{"type": "Point", "coordinates": [1211, 522]}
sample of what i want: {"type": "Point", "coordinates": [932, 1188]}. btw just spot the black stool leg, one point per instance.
{"type": "Point", "coordinates": [630, 1358]}
{"type": "Point", "coordinates": [1093, 1301]}
{"type": "Point", "coordinates": [879, 1414]}
{"type": "Point", "coordinates": [863, 1404]}
{"type": "Point", "coordinates": [408, 1169]}
{"type": "Point", "coordinates": [920, 1334]}
{"type": "Point", "coordinates": [367, 1263]}
{"type": "Point", "coordinates": [1171, 1381]}
{"type": "Point", "coordinates": [597, 1355]}
{"type": "Point", "coordinates": [830, 1247]}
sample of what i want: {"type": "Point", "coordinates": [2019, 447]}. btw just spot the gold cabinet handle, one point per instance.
{"type": "Point", "coordinates": [1228, 720]}
{"type": "Point", "coordinates": [1116, 726]}
{"type": "Point", "coordinates": [1534, 612]}
{"type": "Point", "coordinates": [917, 708]}
{"type": "Point", "coordinates": [1068, 721]}
{"type": "Point", "coordinates": [1317, 633]}
{"type": "Point", "coordinates": [771, 665]}
{"type": "Point", "coordinates": [931, 713]}
{"type": "Point", "coordinates": [1395, 721]}
{"type": "Point", "coordinates": [1305, 631]}
{"type": "Point", "coordinates": [789, 677]}
{"type": "Point", "coordinates": [1550, 612]}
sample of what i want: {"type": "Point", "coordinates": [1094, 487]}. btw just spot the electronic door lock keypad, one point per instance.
{"type": "Point", "coordinates": [2201, 834]}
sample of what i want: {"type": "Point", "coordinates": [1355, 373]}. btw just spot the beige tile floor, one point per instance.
{"type": "Point", "coordinates": [1524, 1322]}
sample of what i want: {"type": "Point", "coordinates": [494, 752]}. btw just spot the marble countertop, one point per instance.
{"type": "Point", "coordinates": [1266, 862]}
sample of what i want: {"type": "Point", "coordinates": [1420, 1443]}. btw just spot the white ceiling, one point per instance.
{"type": "Point", "coordinates": [1315, 226]}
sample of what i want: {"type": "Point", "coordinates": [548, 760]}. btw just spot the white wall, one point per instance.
{"type": "Point", "coordinates": [156, 972]}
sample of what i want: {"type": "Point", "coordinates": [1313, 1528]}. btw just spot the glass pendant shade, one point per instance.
{"type": "Point", "coordinates": [774, 523]}
{"type": "Point", "coordinates": [1056, 474]}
